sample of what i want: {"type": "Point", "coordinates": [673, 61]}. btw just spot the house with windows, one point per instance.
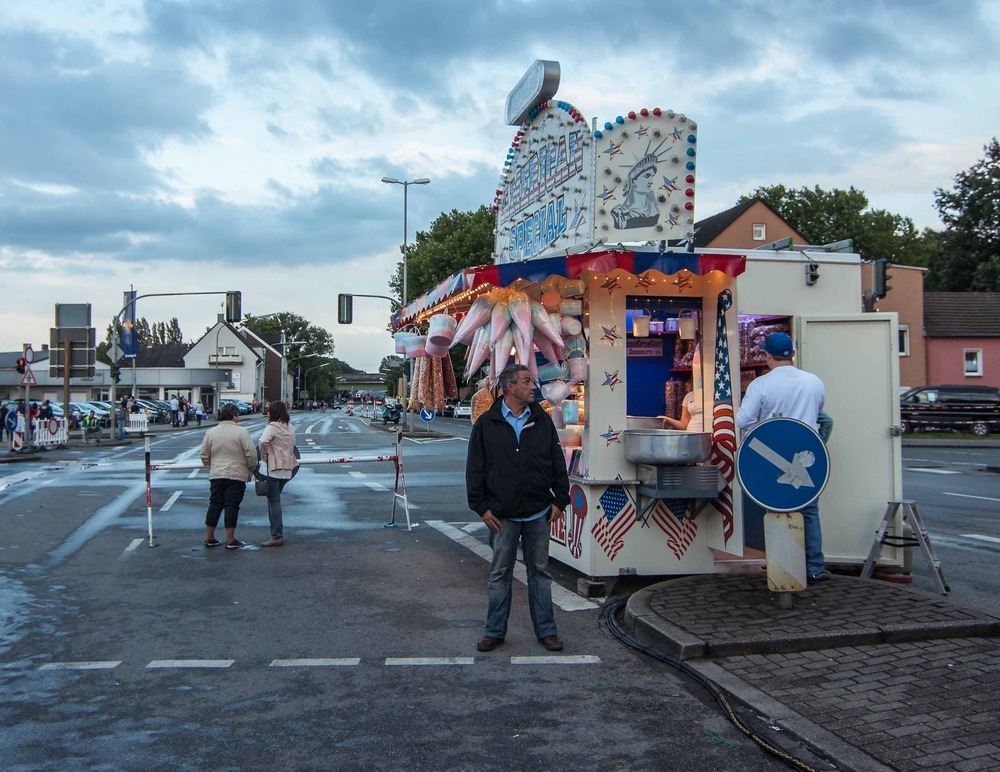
{"type": "Point", "coordinates": [256, 368]}
{"type": "Point", "coordinates": [962, 332]}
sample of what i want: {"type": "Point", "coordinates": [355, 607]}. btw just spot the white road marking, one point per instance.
{"type": "Point", "coordinates": [980, 537]}
{"type": "Point", "coordinates": [391, 661]}
{"type": "Point", "coordinates": [931, 471]}
{"type": "Point", "coordinates": [362, 477]}
{"type": "Point", "coordinates": [194, 473]}
{"type": "Point", "coordinates": [563, 598]}
{"type": "Point", "coordinates": [100, 665]}
{"type": "Point", "coordinates": [310, 427]}
{"type": "Point", "coordinates": [170, 502]}
{"type": "Point", "coordinates": [191, 663]}
{"type": "Point", "coordinates": [969, 496]}
{"type": "Point", "coordinates": [555, 659]}
{"type": "Point", "coordinates": [318, 662]}
{"type": "Point", "coordinates": [135, 543]}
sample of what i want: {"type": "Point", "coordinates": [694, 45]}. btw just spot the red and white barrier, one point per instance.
{"type": "Point", "coordinates": [51, 432]}
{"type": "Point", "coordinates": [398, 492]}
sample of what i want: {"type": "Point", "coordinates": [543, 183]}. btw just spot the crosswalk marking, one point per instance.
{"type": "Point", "coordinates": [93, 665]}
{"type": "Point", "coordinates": [317, 662]}
{"type": "Point", "coordinates": [391, 661]}
{"type": "Point", "coordinates": [556, 659]}
{"type": "Point", "coordinates": [191, 663]}
{"type": "Point", "coordinates": [970, 496]}
{"type": "Point", "coordinates": [170, 502]}
{"type": "Point", "coordinates": [563, 598]}
{"type": "Point", "coordinates": [980, 537]}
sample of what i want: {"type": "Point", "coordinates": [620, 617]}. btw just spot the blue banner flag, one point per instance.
{"type": "Point", "coordinates": [129, 342]}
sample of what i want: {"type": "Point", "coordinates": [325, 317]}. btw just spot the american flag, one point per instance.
{"type": "Point", "coordinates": [619, 516]}
{"type": "Point", "coordinates": [680, 530]}
{"type": "Point", "coordinates": [723, 424]}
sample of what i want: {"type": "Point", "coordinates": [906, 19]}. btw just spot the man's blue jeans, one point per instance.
{"type": "Point", "coordinates": [814, 539]}
{"type": "Point", "coordinates": [535, 536]}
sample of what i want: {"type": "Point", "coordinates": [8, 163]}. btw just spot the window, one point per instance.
{"type": "Point", "coordinates": [904, 340]}
{"type": "Point", "coordinates": [759, 231]}
{"type": "Point", "coordinates": [227, 351]}
{"type": "Point", "coordinates": [973, 361]}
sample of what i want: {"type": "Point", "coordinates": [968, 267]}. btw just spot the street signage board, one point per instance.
{"type": "Point", "coordinates": [28, 379]}
{"type": "Point", "coordinates": [86, 337]}
{"type": "Point", "coordinates": [783, 465]}
{"type": "Point", "coordinates": [72, 314]}
{"type": "Point", "coordinates": [426, 415]}
{"type": "Point", "coordinates": [10, 422]}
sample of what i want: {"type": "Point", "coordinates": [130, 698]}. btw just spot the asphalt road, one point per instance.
{"type": "Point", "coordinates": [351, 647]}
{"type": "Point", "coordinates": [959, 502]}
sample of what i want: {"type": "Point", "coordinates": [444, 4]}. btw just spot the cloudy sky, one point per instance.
{"type": "Point", "coordinates": [239, 144]}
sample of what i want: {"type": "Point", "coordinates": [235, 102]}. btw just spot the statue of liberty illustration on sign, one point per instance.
{"type": "Point", "coordinates": [652, 197]}
{"type": "Point", "coordinates": [639, 208]}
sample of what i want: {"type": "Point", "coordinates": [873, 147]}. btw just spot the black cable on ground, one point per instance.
{"type": "Point", "coordinates": [611, 610]}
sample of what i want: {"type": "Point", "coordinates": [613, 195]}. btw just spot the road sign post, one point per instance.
{"type": "Point", "coordinates": [783, 465]}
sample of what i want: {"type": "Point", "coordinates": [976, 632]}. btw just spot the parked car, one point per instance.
{"type": "Point", "coordinates": [962, 408]}
{"type": "Point", "coordinates": [463, 410]}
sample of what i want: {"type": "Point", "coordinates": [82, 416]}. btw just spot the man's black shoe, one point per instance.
{"type": "Point", "coordinates": [822, 576]}
{"type": "Point", "coordinates": [488, 643]}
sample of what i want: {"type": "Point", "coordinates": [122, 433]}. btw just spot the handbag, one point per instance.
{"type": "Point", "coordinates": [260, 479]}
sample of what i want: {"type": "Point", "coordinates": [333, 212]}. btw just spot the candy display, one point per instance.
{"type": "Point", "coordinates": [506, 322]}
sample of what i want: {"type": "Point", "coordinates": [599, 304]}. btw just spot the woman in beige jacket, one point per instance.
{"type": "Point", "coordinates": [228, 452]}
{"type": "Point", "coordinates": [277, 449]}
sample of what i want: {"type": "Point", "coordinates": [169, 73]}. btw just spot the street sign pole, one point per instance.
{"type": "Point", "coordinates": [68, 353]}
{"type": "Point", "coordinates": [28, 355]}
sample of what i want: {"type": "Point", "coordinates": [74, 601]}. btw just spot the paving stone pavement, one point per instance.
{"type": "Point", "coordinates": [870, 674]}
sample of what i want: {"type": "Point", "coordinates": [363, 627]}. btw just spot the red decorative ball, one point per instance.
{"type": "Point", "coordinates": [656, 111]}
{"type": "Point", "coordinates": [631, 115]}
{"type": "Point", "coordinates": [690, 178]}
{"type": "Point", "coordinates": [689, 206]}
{"type": "Point", "coordinates": [644, 112]}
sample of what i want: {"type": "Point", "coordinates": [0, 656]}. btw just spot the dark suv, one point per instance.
{"type": "Point", "coordinates": [969, 408]}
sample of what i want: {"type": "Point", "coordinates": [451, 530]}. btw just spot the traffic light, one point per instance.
{"type": "Point", "coordinates": [880, 281]}
{"type": "Point", "coordinates": [22, 364]}
{"type": "Point", "coordinates": [234, 303]}
{"type": "Point", "coordinates": [345, 308]}
{"type": "Point", "coordinates": [116, 373]}
{"type": "Point", "coordinates": [812, 273]}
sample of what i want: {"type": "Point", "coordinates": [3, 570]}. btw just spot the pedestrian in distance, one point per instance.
{"type": "Point", "coordinates": [175, 406]}
{"type": "Point", "coordinates": [516, 481]}
{"type": "Point", "coordinates": [277, 450]}
{"type": "Point", "coordinates": [3, 418]}
{"type": "Point", "coordinates": [91, 428]}
{"type": "Point", "coordinates": [121, 419]}
{"type": "Point", "coordinates": [229, 454]}
{"type": "Point", "coordinates": [787, 391]}
{"type": "Point", "coordinates": [199, 412]}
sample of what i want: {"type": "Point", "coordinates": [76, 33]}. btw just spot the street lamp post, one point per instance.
{"type": "Point", "coordinates": [406, 186]}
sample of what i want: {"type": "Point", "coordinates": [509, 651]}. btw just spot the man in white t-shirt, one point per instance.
{"type": "Point", "coordinates": [788, 392]}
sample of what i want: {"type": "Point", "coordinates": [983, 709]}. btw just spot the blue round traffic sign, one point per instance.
{"type": "Point", "coordinates": [11, 421]}
{"type": "Point", "coordinates": [426, 415]}
{"type": "Point", "coordinates": [782, 464]}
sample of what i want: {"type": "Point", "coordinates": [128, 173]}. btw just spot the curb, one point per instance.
{"type": "Point", "coordinates": [652, 629]}
{"type": "Point", "coordinates": [809, 733]}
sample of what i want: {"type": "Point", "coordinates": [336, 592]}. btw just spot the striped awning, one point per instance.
{"type": "Point", "coordinates": [536, 271]}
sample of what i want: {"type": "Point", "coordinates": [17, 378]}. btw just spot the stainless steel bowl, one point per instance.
{"type": "Point", "coordinates": [643, 422]}
{"type": "Point", "coordinates": [666, 446]}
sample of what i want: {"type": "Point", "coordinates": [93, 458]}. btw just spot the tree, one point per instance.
{"type": "Point", "coordinates": [823, 217]}
{"type": "Point", "coordinates": [148, 335]}
{"type": "Point", "coordinates": [392, 367]}
{"type": "Point", "coordinates": [303, 338]}
{"type": "Point", "coordinates": [454, 241]}
{"type": "Point", "coordinates": [969, 257]}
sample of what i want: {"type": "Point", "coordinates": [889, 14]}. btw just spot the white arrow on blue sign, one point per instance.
{"type": "Point", "coordinates": [426, 415]}
{"type": "Point", "coordinates": [783, 465]}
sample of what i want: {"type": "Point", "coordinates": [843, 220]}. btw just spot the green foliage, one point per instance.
{"type": "Point", "coordinates": [826, 216]}
{"type": "Point", "coordinates": [314, 341]}
{"type": "Point", "coordinates": [454, 241]}
{"type": "Point", "coordinates": [969, 256]}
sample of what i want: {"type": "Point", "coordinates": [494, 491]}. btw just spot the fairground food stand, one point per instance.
{"type": "Point", "coordinates": [640, 324]}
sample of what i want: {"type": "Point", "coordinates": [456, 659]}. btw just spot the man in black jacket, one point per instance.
{"type": "Point", "coordinates": [516, 482]}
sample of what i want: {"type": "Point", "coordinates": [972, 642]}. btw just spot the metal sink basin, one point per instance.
{"type": "Point", "coordinates": [666, 446]}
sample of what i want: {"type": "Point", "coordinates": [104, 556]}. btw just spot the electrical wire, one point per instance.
{"type": "Point", "coordinates": [610, 616]}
